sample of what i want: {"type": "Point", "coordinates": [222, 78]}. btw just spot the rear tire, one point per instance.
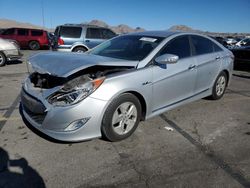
{"type": "Point", "coordinates": [34, 45]}
{"type": "Point", "coordinates": [219, 87]}
{"type": "Point", "coordinates": [79, 49]}
{"type": "Point", "coordinates": [121, 118]}
{"type": "Point", "coordinates": [2, 59]}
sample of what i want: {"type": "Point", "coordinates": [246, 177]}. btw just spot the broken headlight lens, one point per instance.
{"type": "Point", "coordinates": [75, 91]}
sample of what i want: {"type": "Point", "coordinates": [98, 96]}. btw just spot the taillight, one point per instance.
{"type": "Point", "coordinates": [60, 41]}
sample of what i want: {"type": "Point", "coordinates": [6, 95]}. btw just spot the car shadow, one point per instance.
{"type": "Point", "coordinates": [241, 76]}
{"type": "Point", "coordinates": [28, 177]}
{"type": "Point", "coordinates": [14, 62]}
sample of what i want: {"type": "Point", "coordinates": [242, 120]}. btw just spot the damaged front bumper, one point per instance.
{"type": "Point", "coordinates": [57, 122]}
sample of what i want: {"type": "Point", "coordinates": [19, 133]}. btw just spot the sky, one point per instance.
{"type": "Point", "coordinates": [207, 15]}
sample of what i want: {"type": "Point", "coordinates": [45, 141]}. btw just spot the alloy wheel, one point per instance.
{"type": "Point", "coordinates": [124, 118]}
{"type": "Point", "coordinates": [1, 59]}
{"type": "Point", "coordinates": [220, 85]}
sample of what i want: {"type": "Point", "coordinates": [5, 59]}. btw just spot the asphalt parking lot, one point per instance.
{"type": "Point", "coordinates": [208, 147]}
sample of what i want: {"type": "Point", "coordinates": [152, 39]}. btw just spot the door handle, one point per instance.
{"type": "Point", "coordinates": [218, 57]}
{"type": "Point", "coordinates": [191, 67]}
{"type": "Point", "coordinates": [86, 40]}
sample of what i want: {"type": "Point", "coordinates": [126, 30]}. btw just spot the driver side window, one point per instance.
{"type": "Point", "coordinates": [178, 46]}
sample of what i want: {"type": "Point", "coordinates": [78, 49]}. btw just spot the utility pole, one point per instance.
{"type": "Point", "coordinates": [42, 13]}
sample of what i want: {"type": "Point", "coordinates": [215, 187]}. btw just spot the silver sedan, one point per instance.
{"type": "Point", "coordinates": [9, 50]}
{"type": "Point", "coordinates": [107, 91]}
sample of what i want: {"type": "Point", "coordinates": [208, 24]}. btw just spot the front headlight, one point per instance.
{"type": "Point", "coordinates": [75, 91]}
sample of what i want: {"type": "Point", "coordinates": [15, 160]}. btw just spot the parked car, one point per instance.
{"type": "Point", "coordinates": [110, 89]}
{"type": "Point", "coordinates": [220, 40]}
{"type": "Point", "coordinates": [9, 51]}
{"type": "Point", "coordinates": [243, 42]}
{"type": "Point", "coordinates": [80, 37]}
{"type": "Point", "coordinates": [230, 41]}
{"type": "Point", "coordinates": [33, 39]}
{"type": "Point", "coordinates": [242, 55]}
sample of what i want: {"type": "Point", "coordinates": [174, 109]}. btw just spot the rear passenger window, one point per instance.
{"type": "Point", "coordinates": [216, 48]}
{"type": "Point", "coordinates": [22, 32]}
{"type": "Point", "coordinates": [36, 33]}
{"type": "Point", "coordinates": [178, 46]}
{"type": "Point", "coordinates": [94, 33]}
{"type": "Point", "coordinates": [203, 45]}
{"type": "Point", "coordinates": [70, 32]}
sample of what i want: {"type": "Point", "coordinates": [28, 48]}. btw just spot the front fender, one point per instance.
{"type": "Point", "coordinates": [139, 81]}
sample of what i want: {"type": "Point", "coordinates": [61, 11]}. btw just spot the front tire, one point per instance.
{"type": "Point", "coordinates": [2, 59]}
{"type": "Point", "coordinates": [121, 117]}
{"type": "Point", "coordinates": [219, 87]}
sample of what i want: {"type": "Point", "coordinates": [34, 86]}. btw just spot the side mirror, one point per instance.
{"type": "Point", "coordinates": [167, 59]}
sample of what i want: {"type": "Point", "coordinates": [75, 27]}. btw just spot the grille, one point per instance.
{"type": "Point", "coordinates": [33, 107]}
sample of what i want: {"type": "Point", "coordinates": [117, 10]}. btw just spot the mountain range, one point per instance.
{"type": "Point", "coordinates": [120, 29]}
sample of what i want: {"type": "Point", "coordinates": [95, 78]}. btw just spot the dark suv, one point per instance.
{"type": "Point", "coordinates": [34, 39]}
{"type": "Point", "coordinates": [79, 37]}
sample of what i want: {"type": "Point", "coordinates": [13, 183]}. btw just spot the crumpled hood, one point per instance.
{"type": "Point", "coordinates": [65, 64]}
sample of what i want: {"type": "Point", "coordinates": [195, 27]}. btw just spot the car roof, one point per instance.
{"type": "Point", "coordinates": [165, 33]}
{"type": "Point", "coordinates": [81, 25]}
{"type": "Point", "coordinates": [162, 33]}
{"type": "Point", "coordinates": [24, 28]}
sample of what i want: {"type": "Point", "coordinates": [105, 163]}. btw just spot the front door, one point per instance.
{"type": "Point", "coordinates": [173, 83]}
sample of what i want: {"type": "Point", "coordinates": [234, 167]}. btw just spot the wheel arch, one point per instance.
{"type": "Point", "coordinates": [79, 45]}
{"type": "Point", "coordinates": [142, 102]}
{"type": "Point", "coordinates": [34, 40]}
{"type": "Point", "coordinates": [2, 51]}
{"type": "Point", "coordinates": [227, 74]}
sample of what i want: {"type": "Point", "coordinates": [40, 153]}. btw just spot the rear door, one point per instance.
{"type": "Point", "coordinates": [94, 37]}
{"type": "Point", "coordinates": [173, 83]}
{"type": "Point", "coordinates": [208, 59]}
{"type": "Point", "coordinates": [23, 37]}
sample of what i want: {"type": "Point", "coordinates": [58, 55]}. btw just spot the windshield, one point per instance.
{"type": "Point", "coordinates": [128, 47]}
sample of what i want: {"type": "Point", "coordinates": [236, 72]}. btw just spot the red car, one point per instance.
{"type": "Point", "coordinates": [33, 39]}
